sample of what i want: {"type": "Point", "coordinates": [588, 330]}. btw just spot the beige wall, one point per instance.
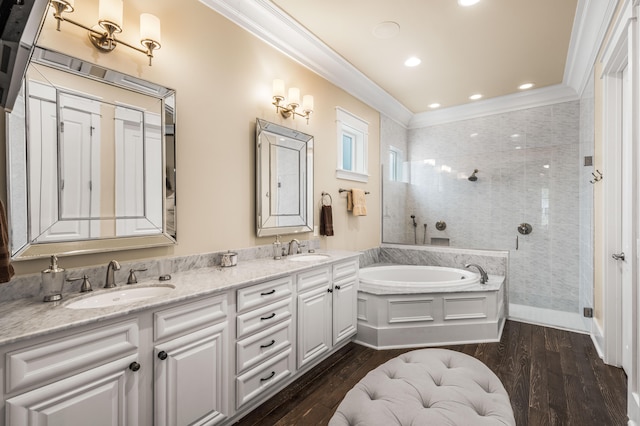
{"type": "Point", "coordinates": [222, 76]}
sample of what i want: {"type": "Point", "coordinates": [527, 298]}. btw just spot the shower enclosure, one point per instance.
{"type": "Point", "coordinates": [530, 171]}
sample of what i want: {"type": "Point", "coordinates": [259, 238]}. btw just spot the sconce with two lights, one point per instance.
{"type": "Point", "coordinates": [289, 108]}
{"type": "Point", "coordinates": [102, 35]}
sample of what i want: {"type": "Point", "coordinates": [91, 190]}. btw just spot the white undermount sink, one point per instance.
{"type": "Point", "coordinates": [121, 296]}
{"type": "Point", "coordinates": [308, 257]}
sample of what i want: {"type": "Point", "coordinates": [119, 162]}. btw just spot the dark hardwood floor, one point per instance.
{"type": "Point", "coordinates": [553, 377]}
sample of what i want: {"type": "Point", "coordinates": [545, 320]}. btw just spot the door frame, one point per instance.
{"type": "Point", "coordinates": [620, 52]}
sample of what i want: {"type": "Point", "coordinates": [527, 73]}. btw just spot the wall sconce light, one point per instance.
{"type": "Point", "coordinates": [102, 35]}
{"type": "Point", "coordinates": [289, 109]}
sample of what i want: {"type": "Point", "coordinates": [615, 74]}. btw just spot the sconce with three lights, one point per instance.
{"type": "Point", "coordinates": [102, 35]}
{"type": "Point", "coordinates": [289, 108]}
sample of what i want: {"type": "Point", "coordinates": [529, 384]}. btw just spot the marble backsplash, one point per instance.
{"type": "Point", "coordinates": [27, 286]}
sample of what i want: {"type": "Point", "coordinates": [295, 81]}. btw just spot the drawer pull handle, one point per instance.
{"type": "Point", "coordinates": [134, 366]}
{"type": "Point", "coordinates": [264, 379]}
{"type": "Point", "coordinates": [162, 355]}
{"type": "Point", "coordinates": [268, 292]}
{"type": "Point", "coordinates": [268, 344]}
{"type": "Point", "coordinates": [269, 317]}
{"type": "Point", "coordinates": [337, 287]}
{"type": "Point", "coordinates": [329, 290]}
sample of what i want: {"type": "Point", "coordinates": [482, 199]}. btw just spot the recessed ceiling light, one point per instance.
{"type": "Point", "coordinates": [526, 86]}
{"type": "Point", "coordinates": [387, 29]}
{"type": "Point", "coordinates": [467, 2]}
{"type": "Point", "coordinates": [475, 97]}
{"type": "Point", "coordinates": [434, 105]}
{"type": "Point", "coordinates": [412, 62]}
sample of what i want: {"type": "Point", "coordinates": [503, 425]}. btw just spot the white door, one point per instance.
{"type": "Point", "coordinates": [627, 231]}
{"type": "Point", "coordinates": [191, 380]}
{"type": "Point", "coordinates": [345, 306]}
{"type": "Point", "coordinates": [103, 396]}
{"type": "Point", "coordinates": [314, 324]}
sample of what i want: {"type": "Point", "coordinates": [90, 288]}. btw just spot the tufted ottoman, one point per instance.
{"type": "Point", "coordinates": [427, 387]}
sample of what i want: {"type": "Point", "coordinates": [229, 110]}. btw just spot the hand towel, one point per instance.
{"type": "Point", "coordinates": [6, 269]}
{"type": "Point", "coordinates": [349, 201]}
{"type": "Point", "coordinates": [326, 221]}
{"type": "Point", "coordinates": [359, 202]}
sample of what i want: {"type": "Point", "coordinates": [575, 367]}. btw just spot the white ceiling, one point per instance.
{"type": "Point", "coordinates": [488, 48]}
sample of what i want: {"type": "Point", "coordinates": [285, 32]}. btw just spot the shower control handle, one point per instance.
{"type": "Point", "coordinates": [525, 228]}
{"type": "Point", "coordinates": [618, 256]}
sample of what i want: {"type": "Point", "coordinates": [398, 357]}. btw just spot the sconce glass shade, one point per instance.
{"type": "Point", "coordinates": [294, 96]}
{"type": "Point", "coordinates": [110, 11]}
{"type": "Point", "coordinates": [150, 28]}
{"type": "Point", "coordinates": [307, 103]}
{"type": "Point", "coordinates": [278, 88]}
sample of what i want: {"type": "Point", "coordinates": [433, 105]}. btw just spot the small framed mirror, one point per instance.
{"type": "Point", "coordinates": [284, 180]}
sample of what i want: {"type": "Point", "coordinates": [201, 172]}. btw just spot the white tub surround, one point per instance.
{"type": "Point", "coordinates": [395, 318]}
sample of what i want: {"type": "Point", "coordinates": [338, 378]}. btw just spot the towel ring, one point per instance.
{"type": "Point", "coordinates": [326, 194]}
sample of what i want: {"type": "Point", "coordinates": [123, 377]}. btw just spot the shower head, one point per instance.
{"type": "Point", "coordinates": [473, 176]}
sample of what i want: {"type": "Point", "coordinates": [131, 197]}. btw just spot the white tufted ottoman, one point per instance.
{"type": "Point", "coordinates": [435, 387]}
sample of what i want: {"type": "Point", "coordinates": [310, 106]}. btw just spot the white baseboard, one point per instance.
{"type": "Point", "coordinates": [548, 318]}
{"type": "Point", "coordinates": [598, 338]}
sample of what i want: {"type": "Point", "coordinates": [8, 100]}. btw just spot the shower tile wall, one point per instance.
{"type": "Point", "coordinates": [528, 171]}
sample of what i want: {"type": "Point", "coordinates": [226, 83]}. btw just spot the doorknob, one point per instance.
{"type": "Point", "coordinates": [618, 256]}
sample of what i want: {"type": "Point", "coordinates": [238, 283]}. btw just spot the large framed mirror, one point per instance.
{"type": "Point", "coordinates": [284, 180]}
{"type": "Point", "coordinates": [91, 160]}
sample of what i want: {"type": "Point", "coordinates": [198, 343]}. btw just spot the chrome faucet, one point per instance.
{"type": "Point", "coordinates": [294, 243]}
{"type": "Point", "coordinates": [483, 275]}
{"type": "Point", "coordinates": [110, 281]}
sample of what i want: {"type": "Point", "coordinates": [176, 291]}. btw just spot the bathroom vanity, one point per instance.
{"type": "Point", "coordinates": [220, 343]}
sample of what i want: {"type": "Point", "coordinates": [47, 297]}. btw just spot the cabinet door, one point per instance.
{"type": "Point", "coordinates": [103, 396]}
{"type": "Point", "coordinates": [345, 306]}
{"type": "Point", "coordinates": [191, 378]}
{"type": "Point", "coordinates": [314, 324]}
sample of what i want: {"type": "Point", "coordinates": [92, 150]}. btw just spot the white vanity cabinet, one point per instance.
{"type": "Point", "coordinates": [85, 378]}
{"type": "Point", "coordinates": [190, 363]}
{"type": "Point", "coordinates": [327, 309]}
{"type": "Point", "coordinates": [264, 346]}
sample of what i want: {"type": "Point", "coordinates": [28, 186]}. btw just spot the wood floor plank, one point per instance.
{"type": "Point", "coordinates": [553, 377]}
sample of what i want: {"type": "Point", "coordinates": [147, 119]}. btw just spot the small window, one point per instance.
{"type": "Point", "coordinates": [352, 146]}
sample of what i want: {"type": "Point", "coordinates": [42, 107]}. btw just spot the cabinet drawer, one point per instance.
{"type": "Point", "coordinates": [314, 278]}
{"type": "Point", "coordinates": [70, 355]}
{"type": "Point", "coordinates": [261, 318]}
{"type": "Point", "coordinates": [262, 294]}
{"type": "Point", "coordinates": [255, 349]}
{"type": "Point", "coordinates": [254, 382]}
{"type": "Point", "coordinates": [192, 316]}
{"type": "Point", "coordinates": [345, 270]}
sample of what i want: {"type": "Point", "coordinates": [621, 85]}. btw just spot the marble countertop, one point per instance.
{"type": "Point", "coordinates": [27, 318]}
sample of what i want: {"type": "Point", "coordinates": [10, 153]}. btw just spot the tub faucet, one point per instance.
{"type": "Point", "coordinates": [294, 244]}
{"type": "Point", "coordinates": [110, 281]}
{"type": "Point", "coordinates": [483, 275]}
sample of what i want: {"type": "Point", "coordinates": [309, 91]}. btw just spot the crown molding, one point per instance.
{"type": "Point", "coordinates": [261, 18]}
{"type": "Point", "coordinates": [593, 18]}
{"type": "Point", "coordinates": [523, 100]}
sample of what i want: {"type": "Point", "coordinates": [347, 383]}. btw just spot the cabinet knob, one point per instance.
{"type": "Point", "coordinates": [337, 287]}
{"type": "Point", "coordinates": [162, 355]}
{"type": "Point", "coordinates": [134, 366]}
{"type": "Point", "coordinates": [329, 290]}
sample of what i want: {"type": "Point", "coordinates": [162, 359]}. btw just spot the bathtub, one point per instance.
{"type": "Point", "coordinates": [406, 306]}
{"type": "Point", "coordinates": [397, 279]}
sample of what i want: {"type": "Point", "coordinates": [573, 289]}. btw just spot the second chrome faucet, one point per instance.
{"type": "Point", "coordinates": [483, 275]}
